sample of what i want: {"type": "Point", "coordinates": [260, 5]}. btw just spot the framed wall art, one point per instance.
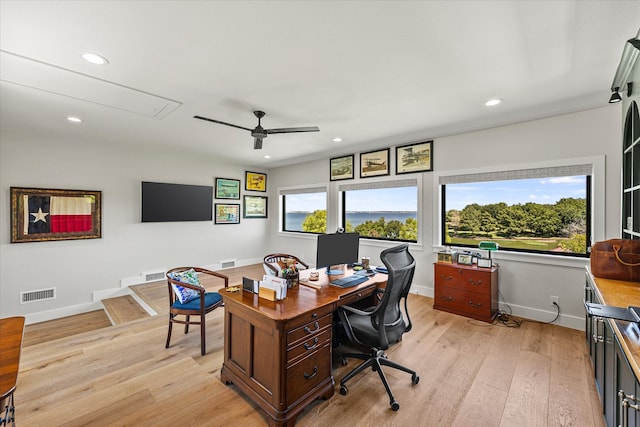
{"type": "Point", "coordinates": [254, 207]}
{"type": "Point", "coordinates": [255, 181]}
{"type": "Point", "coordinates": [40, 214]}
{"type": "Point", "coordinates": [374, 163]}
{"type": "Point", "coordinates": [227, 188]}
{"type": "Point", "coordinates": [227, 213]}
{"type": "Point", "coordinates": [341, 168]}
{"type": "Point", "coordinates": [414, 158]}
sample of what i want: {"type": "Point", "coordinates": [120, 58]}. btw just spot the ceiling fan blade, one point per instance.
{"type": "Point", "coordinates": [222, 123]}
{"type": "Point", "coordinates": [293, 130]}
{"type": "Point", "coordinates": [257, 144]}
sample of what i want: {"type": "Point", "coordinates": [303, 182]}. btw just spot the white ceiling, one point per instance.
{"type": "Point", "coordinates": [374, 73]}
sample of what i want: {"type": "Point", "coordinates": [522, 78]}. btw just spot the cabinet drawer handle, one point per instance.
{"type": "Point", "coordinates": [475, 282]}
{"type": "Point", "coordinates": [443, 277]}
{"type": "Point", "coordinates": [478, 305]}
{"type": "Point", "coordinates": [311, 375]}
{"type": "Point", "coordinates": [311, 346]}
{"type": "Point", "coordinates": [598, 338]}
{"type": "Point", "coordinates": [314, 315]}
{"type": "Point", "coordinates": [310, 331]}
{"type": "Point", "coordinates": [446, 298]}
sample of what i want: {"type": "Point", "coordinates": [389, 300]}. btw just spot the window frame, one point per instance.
{"type": "Point", "coordinates": [382, 184]}
{"type": "Point", "coordinates": [283, 192]}
{"type": "Point", "coordinates": [596, 209]}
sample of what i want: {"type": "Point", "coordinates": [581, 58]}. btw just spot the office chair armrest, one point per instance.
{"type": "Point", "coordinates": [355, 310]}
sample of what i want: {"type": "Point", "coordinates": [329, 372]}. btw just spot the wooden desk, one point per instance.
{"type": "Point", "coordinates": [11, 333]}
{"type": "Point", "coordinates": [279, 353]}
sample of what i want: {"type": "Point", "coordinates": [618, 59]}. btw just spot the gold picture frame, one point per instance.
{"type": "Point", "coordinates": [43, 214]}
{"type": "Point", "coordinates": [374, 163]}
{"type": "Point", "coordinates": [416, 157]}
{"type": "Point", "coordinates": [255, 181]}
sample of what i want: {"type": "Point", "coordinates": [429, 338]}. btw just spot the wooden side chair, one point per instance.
{"type": "Point", "coordinates": [274, 263]}
{"type": "Point", "coordinates": [187, 297]}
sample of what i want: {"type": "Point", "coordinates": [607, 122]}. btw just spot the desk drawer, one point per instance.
{"type": "Point", "coordinates": [309, 372]}
{"type": "Point", "coordinates": [309, 345]}
{"type": "Point", "coordinates": [308, 330]}
{"type": "Point", "coordinates": [309, 317]}
{"type": "Point", "coordinates": [459, 300]}
{"type": "Point", "coordinates": [365, 296]}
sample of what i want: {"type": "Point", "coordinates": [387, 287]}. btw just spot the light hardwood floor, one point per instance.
{"type": "Point", "coordinates": [471, 374]}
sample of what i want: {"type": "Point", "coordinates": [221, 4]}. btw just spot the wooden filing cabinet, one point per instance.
{"type": "Point", "coordinates": [466, 290]}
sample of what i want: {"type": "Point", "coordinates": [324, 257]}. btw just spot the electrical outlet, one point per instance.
{"type": "Point", "coordinates": [553, 300]}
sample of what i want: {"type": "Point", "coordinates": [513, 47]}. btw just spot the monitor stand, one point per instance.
{"type": "Point", "coordinates": [334, 272]}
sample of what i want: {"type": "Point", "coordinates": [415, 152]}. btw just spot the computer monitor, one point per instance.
{"type": "Point", "coordinates": [336, 249]}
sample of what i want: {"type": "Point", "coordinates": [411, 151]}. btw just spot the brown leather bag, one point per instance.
{"type": "Point", "coordinates": [617, 259]}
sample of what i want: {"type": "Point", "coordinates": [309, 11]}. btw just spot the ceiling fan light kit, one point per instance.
{"type": "Point", "coordinates": [259, 133]}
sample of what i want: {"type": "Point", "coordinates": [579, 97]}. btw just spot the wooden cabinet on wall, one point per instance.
{"type": "Point", "coordinates": [466, 290]}
{"type": "Point", "coordinates": [614, 350]}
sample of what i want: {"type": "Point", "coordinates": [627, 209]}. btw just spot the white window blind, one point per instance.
{"type": "Point", "coordinates": [570, 170]}
{"type": "Point", "coordinates": [412, 182]}
{"type": "Point", "coordinates": [305, 190]}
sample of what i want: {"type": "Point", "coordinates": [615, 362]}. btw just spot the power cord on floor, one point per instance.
{"type": "Point", "coordinates": [554, 319]}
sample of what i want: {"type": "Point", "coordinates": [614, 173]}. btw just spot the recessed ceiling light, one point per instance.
{"type": "Point", "coordinates": [492, 102]}
{"type": "Point", "coordinates": [266, 156]}
{"type": "Point", "coordinates": [337, 139]}
{"type": "Point", "coordinates": [74, 119]}
{"type": "Point", "coordinates": [94, 58]}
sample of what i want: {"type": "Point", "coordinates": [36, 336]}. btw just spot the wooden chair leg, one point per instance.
{"type": "Point", "coordinates": [169, 333]}
{"type": "Point", "coordinates": [202, 336]}
{"type": "Point", "coordinates": [186, 325]}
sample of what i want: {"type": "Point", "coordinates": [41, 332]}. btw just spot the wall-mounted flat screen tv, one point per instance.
{"type": "Point", "coordinates": [176, 202]}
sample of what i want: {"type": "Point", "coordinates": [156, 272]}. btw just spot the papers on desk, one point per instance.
{"type": "Point", "coordinates": [273, 288]}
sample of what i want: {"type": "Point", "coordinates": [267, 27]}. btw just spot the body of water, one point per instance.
{"type": "Point", "coordinates": [295, 219]}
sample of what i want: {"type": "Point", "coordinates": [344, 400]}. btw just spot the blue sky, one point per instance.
{"type": "Point", "coordinates": [521, 191]}
{"type": "Point", "coordinates": [393, 199]}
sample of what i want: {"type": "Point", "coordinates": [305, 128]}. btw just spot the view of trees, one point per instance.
{"type": "Point", "coordinates": [381, 229]}
{"type": "Point", "coordinates": [562, 224]}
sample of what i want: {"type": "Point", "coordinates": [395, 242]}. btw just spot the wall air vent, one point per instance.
{"type": "Point", "coordinates": [39, 295]}
{"type": "Point", "coordinates": [152, 277]}
{"type": "Point", "coordinates": [228, 263]}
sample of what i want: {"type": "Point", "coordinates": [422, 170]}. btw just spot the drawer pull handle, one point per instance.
{"type": "Point", "coordinates": [443, 277]}
{"type": "Point", "coordinates": [311, 375]}
{"type": "Point", "coordinates": [475, 282]}
{"type": "Point", "coordinates": [598, 338]}
{"type": "Point", "coordinates": [446, 298]}
{"type": "Point", "coordinates": [478, 305]}
{"type": "Point", "coordinates": [311, 346]}
{"type": "Point", "coordinates": [309, 331]}
{"type": "Point", "coordinates": [314, 315]}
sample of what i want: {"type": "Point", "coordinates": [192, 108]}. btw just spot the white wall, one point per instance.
{"type": "Point", "coordinates": [526, 281]}
{"type": "Point", "coordinates": [80, 268]}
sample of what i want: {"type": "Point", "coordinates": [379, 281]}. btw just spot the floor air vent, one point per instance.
{"type": "Point", "coordinates": [39, 295]}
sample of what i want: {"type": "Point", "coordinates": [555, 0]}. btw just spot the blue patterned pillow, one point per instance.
{"type": "Point", "coordinates": [188, 276]}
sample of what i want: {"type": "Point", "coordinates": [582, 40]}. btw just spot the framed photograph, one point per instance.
{"type": "Point", "coordinates": [227, 213]}
{"type": "Point", "coordinates": [341, 168]}
{"type": "Point", "coordinates": [40, 214]}
{"type": "Point", "coordinates": [414, 158]}
{"type": "Point", "coordinates": [227, 188]}
{"type": "Point", "coordinates": [374, 163]}
{"type": "Point", "coordinates": [255, 207]}
{"type": "Point", "coordinates": [255, 181]}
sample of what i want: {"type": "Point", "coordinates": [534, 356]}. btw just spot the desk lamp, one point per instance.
{"type": "Point", "coordinates": [489, 247]}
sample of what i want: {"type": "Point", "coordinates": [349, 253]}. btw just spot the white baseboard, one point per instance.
{"type": "Point", "coordinates": [58, 313]}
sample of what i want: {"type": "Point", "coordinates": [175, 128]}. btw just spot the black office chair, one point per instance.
{"type": "Point", "coordinates": [362, 327]}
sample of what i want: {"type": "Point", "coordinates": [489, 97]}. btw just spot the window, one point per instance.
{"type": "Point", "coordinates": [544, 210]}
{"type": "Point", "coordinates": [304, 210]}
{"type": "Point", "coordinates": [383, 210]}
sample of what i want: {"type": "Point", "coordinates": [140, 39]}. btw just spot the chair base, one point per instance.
{"type": "Point", "coordinates": [375, 361]}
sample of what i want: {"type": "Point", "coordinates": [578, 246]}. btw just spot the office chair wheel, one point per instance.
{"type": "Point", "coordinates": [415, 379]}
{"type": "Point", "coordinates": [344, 390]}
{"type": "Point", "coordinates": [394, 405]}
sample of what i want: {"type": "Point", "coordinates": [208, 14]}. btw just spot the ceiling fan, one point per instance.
{"type": "Point", "coordinates": [259, 133]}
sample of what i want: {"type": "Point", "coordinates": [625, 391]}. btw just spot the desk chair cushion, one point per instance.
{"type": "Point", "coordinates": [210, 298]}
{"type": "Point", "coordinates": [185, 294]}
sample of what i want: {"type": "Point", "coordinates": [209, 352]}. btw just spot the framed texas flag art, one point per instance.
{"type": "Point", "coordinates": [39, 214]}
